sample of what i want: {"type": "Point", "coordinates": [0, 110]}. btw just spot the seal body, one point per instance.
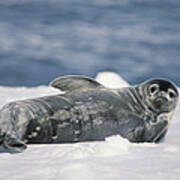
{"type": "Point", "coordinates": [88, 111]}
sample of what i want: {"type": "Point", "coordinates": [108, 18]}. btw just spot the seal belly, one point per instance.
{"type": "Point", "coordinates": [88, 121]}
{"type": "Point", "coordinates": [41, 127]}
{"type": "Point", "coordinates": [79, 121]}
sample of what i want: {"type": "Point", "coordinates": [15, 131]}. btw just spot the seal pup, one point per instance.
{"type": "Point", "coordinates": [88, 111]}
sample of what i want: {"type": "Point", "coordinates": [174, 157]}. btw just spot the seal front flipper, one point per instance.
{"type": "Point", "coordinates": [71, 83]}
{"type": "Point", "coordinates": [156, 131]}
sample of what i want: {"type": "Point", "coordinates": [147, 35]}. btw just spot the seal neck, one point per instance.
{"type": "Point", "coordinates": [141, 98]}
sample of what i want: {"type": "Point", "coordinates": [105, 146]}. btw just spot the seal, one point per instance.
{"type": "Point", "coordinates": [88, 111]}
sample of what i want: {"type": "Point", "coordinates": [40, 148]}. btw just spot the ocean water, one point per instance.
{"type": "Point", "coordinates": [43, 39]}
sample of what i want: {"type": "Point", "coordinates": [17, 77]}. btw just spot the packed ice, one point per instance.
{"type": "Point", "coordinates": [113, 159]}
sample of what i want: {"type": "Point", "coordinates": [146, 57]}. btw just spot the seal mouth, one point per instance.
{"type": "Point", "coordinates": [160, 101]}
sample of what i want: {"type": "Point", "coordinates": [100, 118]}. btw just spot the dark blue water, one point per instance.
{"type": "Point", "coordinates": [43, 39]}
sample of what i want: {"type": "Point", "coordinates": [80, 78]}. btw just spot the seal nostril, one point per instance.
{"type": "Point", "coordinates": [160, 101]}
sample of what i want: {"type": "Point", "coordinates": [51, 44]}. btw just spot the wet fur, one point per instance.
{"type": "Point", "coordinates": [85, 114]}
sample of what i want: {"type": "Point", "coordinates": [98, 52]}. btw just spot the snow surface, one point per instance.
{"type": "Point", "coordinates": [113, 159]}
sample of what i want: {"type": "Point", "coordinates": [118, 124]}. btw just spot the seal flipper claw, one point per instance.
{"type": "Point", "coordinates": [13, 144]}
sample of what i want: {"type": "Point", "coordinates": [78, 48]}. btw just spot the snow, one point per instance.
{"type": "Point", "coordinates": [113, 159]}
{"type": "Point", "coordinates": [111, 80]}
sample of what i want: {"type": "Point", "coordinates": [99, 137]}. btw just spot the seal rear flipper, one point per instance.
{"type": "Point", "coordinates": [71, 83]}
{"type": "Point", "coordinates": [12, 143]}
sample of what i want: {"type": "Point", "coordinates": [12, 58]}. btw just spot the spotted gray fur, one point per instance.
{"type": "Point", "coordinates": [88, 111]}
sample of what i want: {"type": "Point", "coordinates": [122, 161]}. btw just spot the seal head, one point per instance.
{"type": "Point", "coordinates": [160, 95]}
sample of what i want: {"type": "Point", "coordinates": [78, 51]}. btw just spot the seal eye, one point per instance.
{"type": "Point", "coordinates": [153, 88]}
{"type": "Point", "coordinates": [172, 94]}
